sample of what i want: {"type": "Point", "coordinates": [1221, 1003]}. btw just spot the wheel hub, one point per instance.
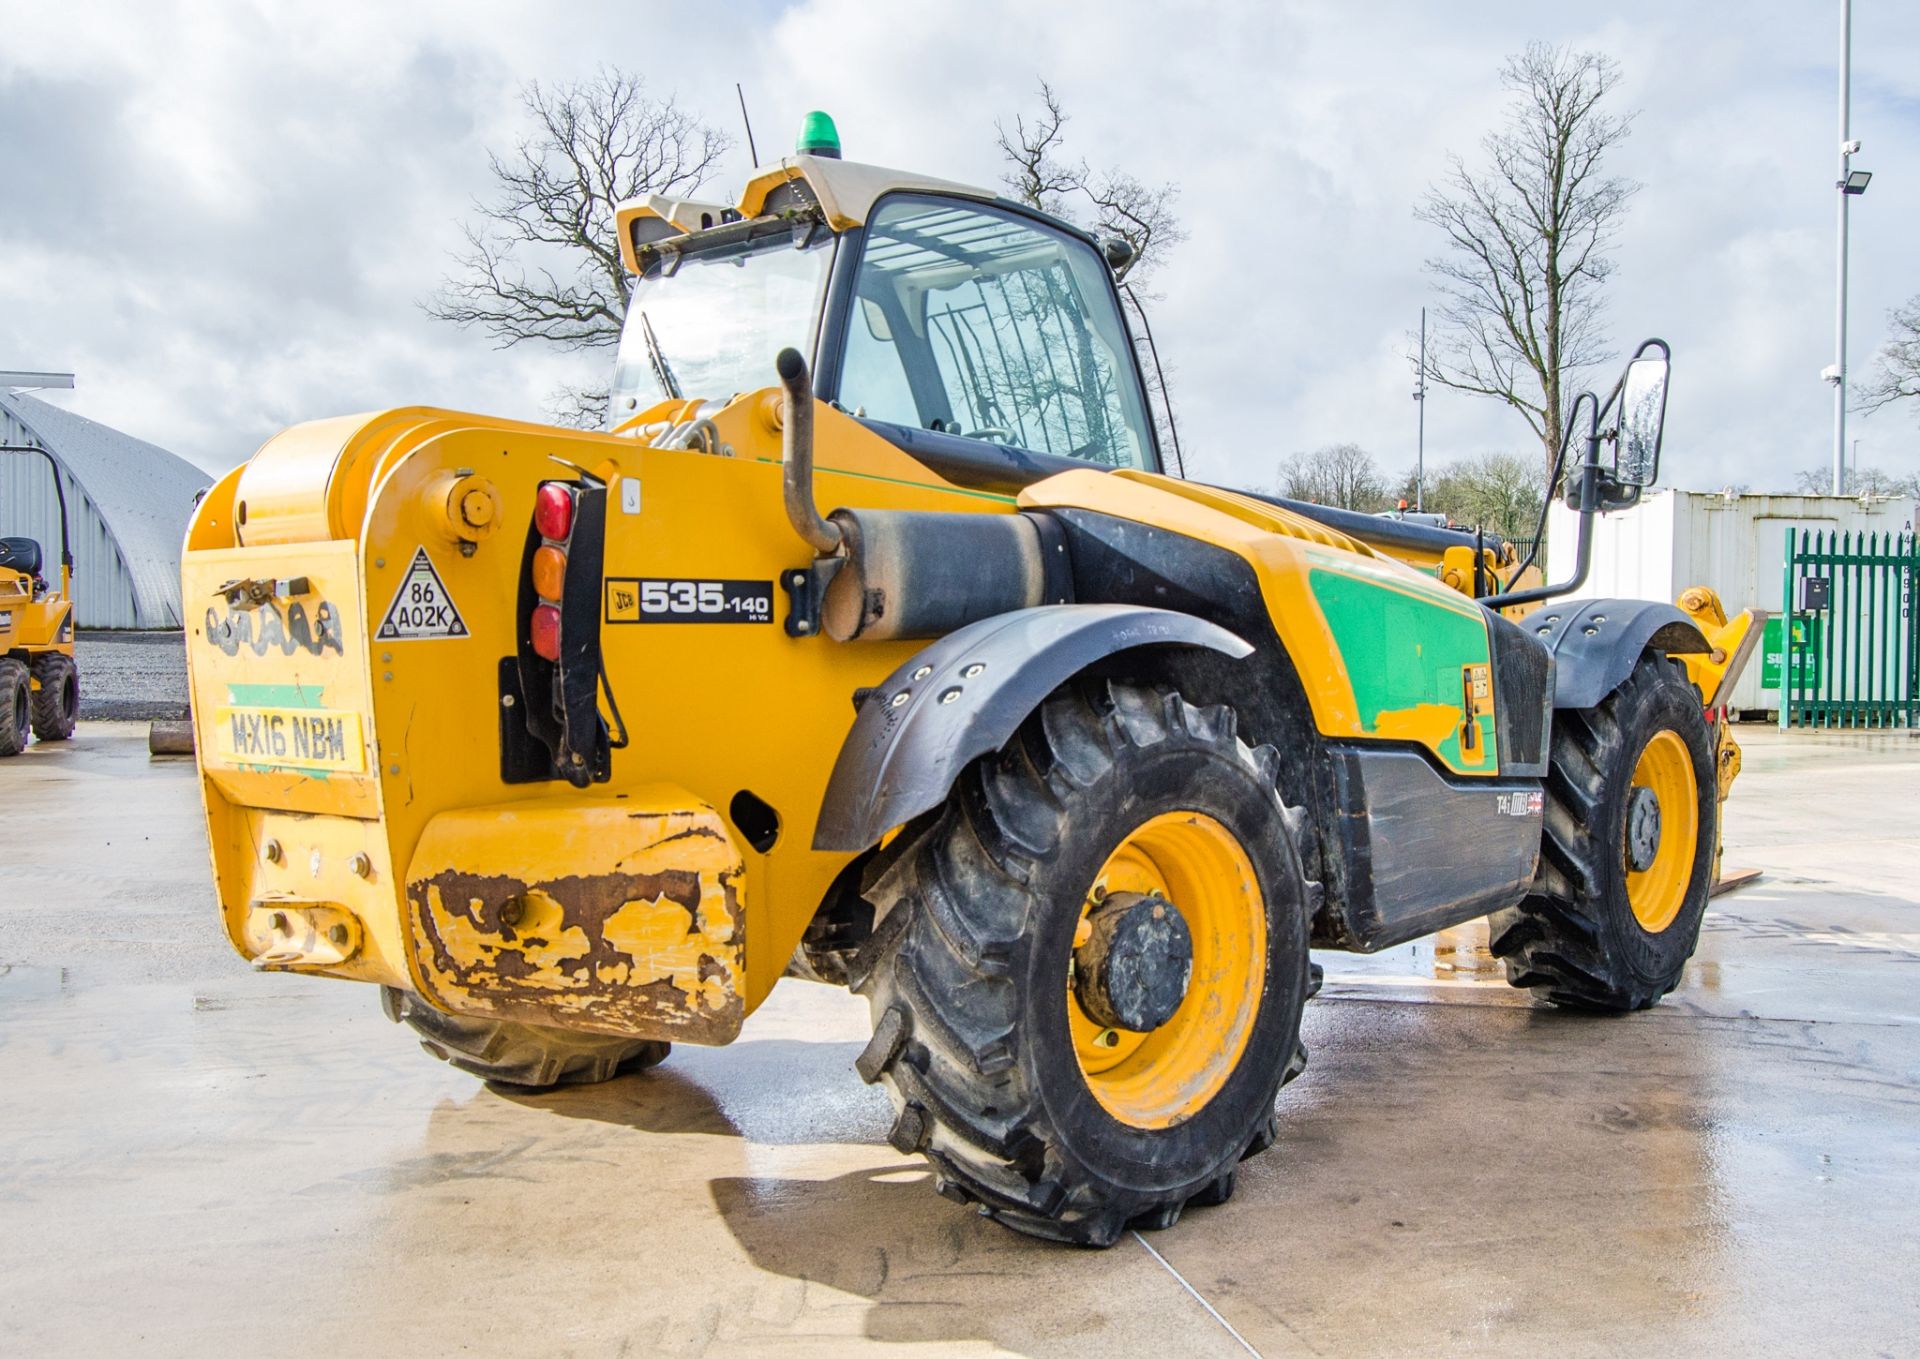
{"type": "Point", "coordinates": [1132, 971]}
{"type": "Point", "coordinates": [1643, 829]}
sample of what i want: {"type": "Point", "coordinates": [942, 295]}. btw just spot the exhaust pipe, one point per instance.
{"type": "Point", "coordinates": [796, 455]}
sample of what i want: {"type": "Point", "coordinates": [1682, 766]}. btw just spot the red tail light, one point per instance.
{"type": "Point", "coordinates": [544, 628]}
{"type": "Point", "coordinates": [553, 511]}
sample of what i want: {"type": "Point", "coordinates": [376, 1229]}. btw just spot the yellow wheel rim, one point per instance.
{"type": "Point", "coordinates": [1157, 1079]}
{"type": "Point", "coordinates": [1665, 768]}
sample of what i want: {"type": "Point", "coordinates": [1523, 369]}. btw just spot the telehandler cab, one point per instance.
{"type": "Point", "coordinates": [913, 672]}
{"type": "Point", "coordinates": [39, 683]}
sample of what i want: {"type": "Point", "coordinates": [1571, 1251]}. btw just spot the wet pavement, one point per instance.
{"type": "Point", "coordinates": [195, 1159]}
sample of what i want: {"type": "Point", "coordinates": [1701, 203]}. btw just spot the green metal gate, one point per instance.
{"type": "Point", "coordinates": [1850, 654]}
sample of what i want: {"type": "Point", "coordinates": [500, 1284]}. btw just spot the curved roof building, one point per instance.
{"type": "Point", "coordinates": [128, 503]}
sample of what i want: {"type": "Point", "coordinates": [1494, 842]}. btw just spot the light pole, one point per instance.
{"type": "Point", "coordinates": [1420, 449]}
{"type": "Point", "coordinates": [1851, 184]}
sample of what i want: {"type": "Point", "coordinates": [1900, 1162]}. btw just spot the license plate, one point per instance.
{"type": "Point", "coordinates": [290, 738]}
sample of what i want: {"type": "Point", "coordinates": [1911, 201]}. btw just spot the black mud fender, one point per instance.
{"type": "Point", "coordinates": [1596, 642]}
{"type": "Point", "coordinates": [966, 695]}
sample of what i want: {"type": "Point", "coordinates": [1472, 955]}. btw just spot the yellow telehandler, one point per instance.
{"type": "Point", "coordinates": [873, 645]}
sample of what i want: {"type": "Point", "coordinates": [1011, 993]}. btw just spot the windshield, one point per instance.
{"type": "Point", "coordinates": [707, 322]}
{"type": "Point", "coordinates": [977, 322]}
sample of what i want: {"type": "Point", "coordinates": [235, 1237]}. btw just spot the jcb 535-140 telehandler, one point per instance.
{"type": "Point", "coordinates": [872, 645]}
{"type": "Point", "coordinates": [39, 684]}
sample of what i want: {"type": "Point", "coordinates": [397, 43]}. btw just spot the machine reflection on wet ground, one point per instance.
{"type": "Point", "coordinates": [197, 1159]}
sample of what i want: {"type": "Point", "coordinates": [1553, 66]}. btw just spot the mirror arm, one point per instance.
{"type": "Point", "coordinates": [1589, 496]}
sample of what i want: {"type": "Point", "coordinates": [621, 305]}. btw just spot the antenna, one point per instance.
{"type": "Point", "coordinates": [749, 122]}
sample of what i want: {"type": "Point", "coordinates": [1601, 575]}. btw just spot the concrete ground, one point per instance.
{"type": "Point", "coordinates": [198, 1160]}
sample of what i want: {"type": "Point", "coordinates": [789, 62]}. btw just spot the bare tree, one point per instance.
{"type": "Point", "coordinates": [1896, 368]}
{"type": "Point", "coordinates": [1342, 475]}
{"type": "Point", "coordinates": [1499, 492]}
{"type": "Point", "coordinates": [541, 262]}
{"type": "Point", "coordinates": [1527, 236]}
{"type": "Point", "coordinates": [1106, 202]}
{"type": "Point", "coordinates": [1860, 481]}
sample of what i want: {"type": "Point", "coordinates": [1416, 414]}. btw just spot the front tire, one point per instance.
{"type": "Point", "coordinates": [1626, 863]}
{"type": "Point", "coordinates": [531, 1056]}
{"type": "Point", "coordinates": [56, 703]}
{"type": "Point", "coordinates": [1051, 1123]}
{"type": "Point", "coordinates": [16, 707]}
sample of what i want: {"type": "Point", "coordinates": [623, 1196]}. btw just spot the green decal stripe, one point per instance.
{"type": "Point", "coordinates": [1402, 649]}
{"type": "Point", "coordinates": [273, 696]}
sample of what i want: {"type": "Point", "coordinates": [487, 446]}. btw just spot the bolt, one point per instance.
{"type": "Point", "coordinates": [338, 935]}
{"type": "Point", "coordinates": [362, 866]}
{"type": "Point", "coordinates": [511, 911]}
{"type": "Point", "coordinates": [274, 854]}
{"type": "Point", "coordinates": [899, 700]}
{"type": "Point", "coordinates": [972, 671]}
{"type": "Point", "coordinates": [379, 561]}
{"type": "Point", "coordinates": [923, 672]}
{"type": "Point", "coordinates": [386, 658]}
{"type": "Point", "coordinates": [950, 695]}
{"type": "Point", "coordinates": [802, 625]}
{"type": "Point", "coordinates": [1599, 618]}
{"type": "Point", "coordinates": [575, 758]}
{"type": "Point", "coordinates": [506, 700]}
{"type": "Point", "coordinates": [279, 922]}
{"type": "Point", "coordinates": [387, 676]}
{"type": "Point", "coordinates": [393, 769]}
{"type": "Point", "coordinates": [1591, 632]}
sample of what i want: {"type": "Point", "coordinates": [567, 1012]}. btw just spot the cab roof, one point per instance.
{"type": "Point", "coordinates": [844, 190]}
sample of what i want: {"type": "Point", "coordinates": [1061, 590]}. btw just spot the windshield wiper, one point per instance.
{"type": "Point", "coordinates": [661, 373]}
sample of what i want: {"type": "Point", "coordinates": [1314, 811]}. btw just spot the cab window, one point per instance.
{"type": "Point", "coordinates": [976, 322]}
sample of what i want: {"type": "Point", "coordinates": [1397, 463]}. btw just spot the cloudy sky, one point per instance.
{"type": "Point", "coordinates": [223, 215]}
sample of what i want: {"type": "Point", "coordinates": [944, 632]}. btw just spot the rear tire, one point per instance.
{"type": "Point", "coordinates": [532, 1056]}
{"type": "Point", "coordinates": [16, 707]}
{"type": "Point", "coordinates": [56, 703]}
{"type": "Point", "coordinates": [978, 906]}
{"type": "Point", "coordinates": [1594, 933]}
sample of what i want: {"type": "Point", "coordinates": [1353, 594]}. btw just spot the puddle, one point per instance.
{"type": "Point", "coordinates": [1458, 955]}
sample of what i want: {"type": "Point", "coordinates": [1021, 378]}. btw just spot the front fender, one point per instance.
{"type": "Point", "coordinates": [966, 695]}
{"type": "Point", "coordinates": [1597, 642]}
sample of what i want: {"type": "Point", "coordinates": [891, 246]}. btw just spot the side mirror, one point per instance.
{"type": "Point", "coordinates": [1640, 417]}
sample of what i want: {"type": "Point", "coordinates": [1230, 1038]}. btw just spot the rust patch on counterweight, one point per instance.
{"type": "Point", "coordinates": [657, 955]}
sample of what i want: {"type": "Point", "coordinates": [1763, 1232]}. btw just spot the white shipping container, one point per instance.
{"type": "Point", "coordinates": [1735, 544]}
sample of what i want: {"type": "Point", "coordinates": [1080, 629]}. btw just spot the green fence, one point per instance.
{"type": "Point", "coordinates": [1850, 650]}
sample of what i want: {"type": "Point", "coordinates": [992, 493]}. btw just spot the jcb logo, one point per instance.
{"type": "Point", "coordinates": [261, 630]}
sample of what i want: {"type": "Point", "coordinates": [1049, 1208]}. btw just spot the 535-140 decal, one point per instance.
{"type": "Point", "coordinates": [632, 600]}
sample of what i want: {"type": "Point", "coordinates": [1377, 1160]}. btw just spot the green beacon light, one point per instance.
{"type": "Point", "coordinates": [818, 137]}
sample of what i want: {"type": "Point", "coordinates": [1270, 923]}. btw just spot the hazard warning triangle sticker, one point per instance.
{"type": "Point", "coordinates": [421, 606]}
